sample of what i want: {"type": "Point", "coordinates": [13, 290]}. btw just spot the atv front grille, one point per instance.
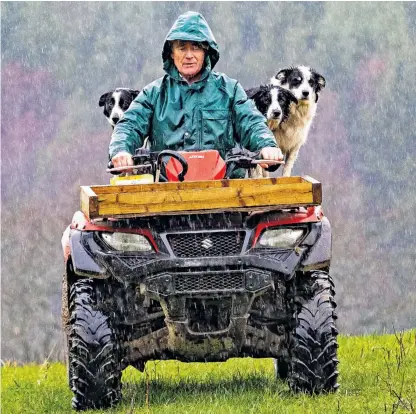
{"type": "Point", "coordinates": [135, 261]}
{"type": "Point", "coordinates": [201, 282]}
{"type": "Point", "coordinates": [209, 244]}
{"type": "Point", "coordinates": [209, 281]}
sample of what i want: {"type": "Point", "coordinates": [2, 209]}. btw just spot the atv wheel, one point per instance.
{"type": "Point", "coordinates": [94, 355]}
{"type": "Point", "coordinates": [313, 345]}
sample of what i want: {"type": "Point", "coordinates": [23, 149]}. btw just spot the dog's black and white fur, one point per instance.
{"type": "Point", "coordinates": [305, 84]}
{"type": "Point", "coordinates": [272, 101]}
{"type": "Point", "coordinates": [275, 104]}
{"type": "Point", "coordinates": [117, 102]}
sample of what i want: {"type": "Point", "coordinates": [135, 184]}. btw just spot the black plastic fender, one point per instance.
{"type": "Point", "coordinates": [83, 263]}
{"type": "Point", "coordinates": [320, 252]}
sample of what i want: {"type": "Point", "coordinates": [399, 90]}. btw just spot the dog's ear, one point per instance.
{"type": "Point", "coordinates": [252, 92]}
{"type": "Point", "coordinates": [320, 81]}
{"type": "Point", "coordinates": [103, 98]}
{"type": "Point", "coordinates": [134, 93]}
{"type": "Point", "coordinates": [289, 95]}
{"type": "Point", "coordinates": [257, 92]}
{"type": "Point", "coordinates": [282, 75]}
{"type": "Point", "coordinates": [259, 97]}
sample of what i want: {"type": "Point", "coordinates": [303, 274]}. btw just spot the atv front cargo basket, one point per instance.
{"type": "Point", "coordinates": [196, 197]}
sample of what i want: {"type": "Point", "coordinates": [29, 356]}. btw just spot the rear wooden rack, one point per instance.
{"type": "Point", "coordinates": [196, 197]}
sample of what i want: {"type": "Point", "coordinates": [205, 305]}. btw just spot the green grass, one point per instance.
{"type": "Point", "coordinates": [377, 375]}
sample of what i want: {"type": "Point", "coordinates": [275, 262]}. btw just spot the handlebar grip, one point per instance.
{"type": "Point", "coordinates": [110, 166]}
{"type": "Point", "coordinates": [273, 168]}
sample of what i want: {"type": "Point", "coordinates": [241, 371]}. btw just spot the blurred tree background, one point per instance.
{"type": "Point", "coordinates": [58, 58]}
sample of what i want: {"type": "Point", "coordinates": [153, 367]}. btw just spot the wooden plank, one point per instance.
{"type": "Point", "coordinates": [214, 210]}
{"type": "Point", "coordinates": [112, 189]}
{"type": "Point", "coordinates": [316, 189]}
{"type": "Point", "coordinates": [163, 201]}
{"type": "Point", "coordinates": [89, 202]}
{"type": "Point", "coordinates": [310, 179]}
{"type": "Point", "coordinates": [217, 195]}
{"type": "Point", "coordinates": [202, 196]}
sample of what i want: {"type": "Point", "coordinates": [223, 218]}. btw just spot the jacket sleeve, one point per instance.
{"type": "Point", "coordinates": [130, 132]}
{"type": "Point", "coordinates": [250, 124]}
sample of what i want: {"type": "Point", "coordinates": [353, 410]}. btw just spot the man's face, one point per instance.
{"type": "Point", "coordinates": [188, 57]}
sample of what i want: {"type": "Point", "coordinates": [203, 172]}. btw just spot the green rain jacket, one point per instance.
{"type": "Point", "coordinates": [212, 113]}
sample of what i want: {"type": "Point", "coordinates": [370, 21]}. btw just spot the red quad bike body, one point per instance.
{"type": "Point", "coordinates": [203, 286]}
{"type": "Point", "coordinates": [202, 165]}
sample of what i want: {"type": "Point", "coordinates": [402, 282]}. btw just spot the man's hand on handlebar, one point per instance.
{"type": "Point", "coordinates": [125, 159]}
{"type": "Point", "coordinates": [271, 153]}
{"type": "Point", "coordinates": [122, 159]}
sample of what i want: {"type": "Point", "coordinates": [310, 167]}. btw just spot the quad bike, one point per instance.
{"type": "Point", "coordinates": [181, 262]}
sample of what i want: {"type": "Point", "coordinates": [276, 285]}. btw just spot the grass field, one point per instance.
{"type": "Point", "coordinates": [377, 375]}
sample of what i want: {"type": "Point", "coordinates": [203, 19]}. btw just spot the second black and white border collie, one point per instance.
{"type": "Point", "coordinates": [305, 84]}
{"type": "Point", "coordinates": [117, 102]}
{"type": "Point", "coordinates": [275, 104]}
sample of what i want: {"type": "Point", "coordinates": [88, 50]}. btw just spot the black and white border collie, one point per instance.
{"type": "Point", "coordinates": [117, 102]}
{"type": "Point", "coordinates": [273, 102]}
{"type": "Point", "coordinates": [305, 84]}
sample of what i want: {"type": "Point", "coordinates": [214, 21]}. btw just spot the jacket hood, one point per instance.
{"type": "Point", "coordinates": [191, 26]}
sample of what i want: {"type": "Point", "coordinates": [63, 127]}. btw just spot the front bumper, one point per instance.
{"type": "Point", "coordinates": [91, 259]}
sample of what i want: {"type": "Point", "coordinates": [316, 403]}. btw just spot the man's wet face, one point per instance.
{"type": "Point", "coordinates": [188, 58]}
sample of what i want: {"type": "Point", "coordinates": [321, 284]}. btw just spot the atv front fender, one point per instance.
{"type": "Point", "coordinates": [83, 263]}
{"type": "Point", "coordinates": [319, 255]}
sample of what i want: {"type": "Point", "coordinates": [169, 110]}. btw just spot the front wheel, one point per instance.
{"type": "Point", "coordinates": [94, 352]}
{"type": "Point", "coordinates": [313, 341]}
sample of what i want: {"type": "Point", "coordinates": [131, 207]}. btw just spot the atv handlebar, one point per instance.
{"type": "Point", "coordinates": [177, 156]}
{"type": "Point", "coordinates": [235, 158]}
{"type": "Point", "coordinates": [144, 159]}
{"type": "Point", "coordinates": [243, 158]}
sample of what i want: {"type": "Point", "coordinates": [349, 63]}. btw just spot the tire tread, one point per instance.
{"type": "Point", "coordinates": [95, 377]}
{"type": "Point", "coordinates": [313, 347]}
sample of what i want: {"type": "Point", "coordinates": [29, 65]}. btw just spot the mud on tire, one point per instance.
{"type": "Point", "coordinates": [313, 343]}
{"type": "Point", "coordinates": [94, 354]}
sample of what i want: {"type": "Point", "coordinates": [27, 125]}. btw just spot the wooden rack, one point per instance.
{"type": "Point", "coordinates": [196, 197]}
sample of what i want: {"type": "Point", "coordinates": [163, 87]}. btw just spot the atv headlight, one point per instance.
{"type": "Point", "coordinates": [280, 238]}
{"type": "Point", "coordinates": [127, 242]}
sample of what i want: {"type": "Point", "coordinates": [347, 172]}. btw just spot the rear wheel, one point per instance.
{"type": "Point", "coordinates": [313, 341]}
{"type": "Point", "coordinates": [94, 352]}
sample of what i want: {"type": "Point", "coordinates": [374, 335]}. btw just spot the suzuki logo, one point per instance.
{"type": "Point", "coordinates": [207, 243]}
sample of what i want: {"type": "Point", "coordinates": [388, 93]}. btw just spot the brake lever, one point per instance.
{"type": "Point", "coordinates": [273, 164]}
{"type": "Point", "coordinates": [119, 170]}
{"type": "Point", "coordinates": [113, 170]}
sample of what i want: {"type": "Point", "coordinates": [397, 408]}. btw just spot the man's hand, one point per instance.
{"type": "Point", "coordinates": [122, 159]}
{"type": "Point", "coordinates": [271, 153]}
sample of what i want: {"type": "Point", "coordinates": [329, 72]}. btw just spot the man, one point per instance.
{"type": "Point", "coordinates": [192, 107]}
